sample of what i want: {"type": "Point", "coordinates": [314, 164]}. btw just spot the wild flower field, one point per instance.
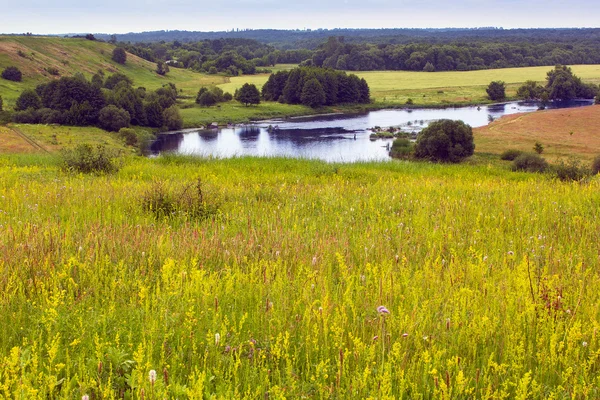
{"type": "Point", "coordinates": [301, 280]}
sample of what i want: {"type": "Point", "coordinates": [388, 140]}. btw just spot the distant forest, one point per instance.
{"type": "Point", "coordinates": [366, 49]}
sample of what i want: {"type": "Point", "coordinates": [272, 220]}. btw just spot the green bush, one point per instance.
{"type": "Point", "coordinates": [113, 118]}
{"type": "Point", "coordinates": [510, 155]}
{"type": "Point", "coordinates": [596, 165]}
{"type": "Point", "coordinates": [401, 148]}
{"type": "Point", "coordinates": [12, 74]}
{"type": "Point", "coordinates": [89, 160]}
{"type": "Point", "coordinates": [445, 141]}
{"type": "Point", "coordinates": [529, 163]}
{"type": "Point", "coordinates": [571, 170]}
{"type": "Point", "coordinates": [129, 136]}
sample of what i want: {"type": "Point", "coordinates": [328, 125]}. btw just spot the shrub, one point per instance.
{"type": "Point", "coordinates": [446, 141]}
{"type": "Point", "coordinates": [89, 160]}
{"type": "Point", "coordinates": [596, 165]}
{"type": "Point", "coordinates": [12, 74]}
{"type": "Point", "coordinates": [129, 136]}
{"type": "Point", "coordinates": [172, 118]}
{"type": "Point", "coordinates": [510, 155]}
{"type": "Point", "coordinates": [496, 90]}
{"type": "Point", "coordinates": [28, 99]}
{"type": "Point", "coordinates": [206, 99]}
{"type": "Point", "coordinates": [401, 148]}
{"type": "Point", "coordinates": [52, 71]}
{"type": "Point", "coordinates": [538, 148]}
{"type": "Point", "coordinates": [119, 55]}
{"type": "Point", "coordinates": [189, 201]}
{"type": "Point", "coordinates": [113, 118]}
{"type": "Point", "coordinates": [571, 170]}
{"type": "Point", "coordinates": [529, 163]}
{"type": "Point", "coordinates": [227, 96]}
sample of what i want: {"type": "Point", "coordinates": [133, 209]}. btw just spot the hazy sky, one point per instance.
{"type": "Point", "coordinates": [120, 16]}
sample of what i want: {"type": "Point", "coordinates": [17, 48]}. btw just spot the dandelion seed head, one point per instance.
{"type": "Point", "coordinates": [152, 376]}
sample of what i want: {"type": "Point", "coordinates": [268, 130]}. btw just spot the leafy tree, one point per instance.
{"type": "Point", "coordinates": [530, 91]}
{"type": "Point", "coordinates": [162, 68]}
{"type": "Point", "coordinates": [248, 94]}
{"type": "Point", "coordinates": [206, 99]}
{"type": "Point", "coordinates": [172, 118]}
{"type": "Point", "coordinates": [496, 90]}
{"type": "Point", "coordinates": [154, 114]}
{"type": "Point", "coordinates": [112, 118]}
{"type": "Point", "coordinates": [562, 84]}
{"type": "Point", "coordinates": [12, 74]}
{"type": "Point", "coordinates": [445, 141]}
{"type": "Point", "coordinates": [28, 99]}
{"type": "Point", "coordinates": [119, 55]}
{"type": "Point", "coordinates": [113, 80]}
{"type": "Point", "coordinates": [429, 67]}
{"type": "Point", "coordinates": [313, 94]}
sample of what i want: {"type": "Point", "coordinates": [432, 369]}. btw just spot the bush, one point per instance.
{"type": "Point", "coordinates": [571, 170]}
{"type": "Point", "coordinates": [129, 136]}
{"type": "Point", "coordinates": [401, 148]}
{"type": "Point", "coordinates": [189, 201]}
{"type": "Point", "coordinates": [206, 99]}
{"type": "Point", "coordinates": [28, 99]}
{"type": "Point", "coordinates": [445, 141]}
{"type": "Point", "coordinates": [596, 165]}
{"type": "Point", "coordinates": [510, 155]}
{"type": "Point", "coordinates": [227, 96]}
{"type": "Point", "coordinates": [113, 118]}
{"type": "Point", "coordinates": [12, 74]}
{"type": "Point", "coordinates": [89, 160]}
{"type": "Point", "coordinates": [172, 118]}
{"type": "Point", "coordinates": [529, 163]}
{"type": "Point", "coordinates": [496, 90]}
{"type": "Point", "coordinates": [538, 148]}
{"type": "Point", "coordinates": [119, 55]}
{"type": "Point", "coordinates": [52, 71]}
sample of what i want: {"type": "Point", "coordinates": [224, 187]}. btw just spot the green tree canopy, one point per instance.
{"type": "Point", "coordinates": [28, 99]}
{"type": "Point", "coordinates": [12, 74]}
{"type": "Point", "coordinates": [113, 118]}
{"type": "Point", "coordinates": [445, 141]}
{"type": "Point", "coordinates": [248, 94]}
{"type": "Point", "coordinates": [496, 90]}
{"type": "Point", "coordinates": [313, 94]}
{"type": "Point", "coordinates": [119, 55]}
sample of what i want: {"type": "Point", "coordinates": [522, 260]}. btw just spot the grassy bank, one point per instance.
{"type": "Point", "coordinates": [488, 277]}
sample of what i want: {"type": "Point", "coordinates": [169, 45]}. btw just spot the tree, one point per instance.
{"type": "Point", "coordinates": [445, 141]}
{"type": "Point", "coordinates": [116, 78]}
{"type": "Point", "coordinates": [172, 118]}
{"type": "Point", "coordinates": [113, 118]}
{"type": "Point", "coordinates": [28, 99]}
{"type": "Point", "coordinates": [12, 74]}
{"type": "Point", "coordinates": [429, 67]}
{"type": "Point", "coordinates": [206, 99]}
{"type": "Point", "coordinates": [313, 94]}
{"type": "Point", "coordinates": [530, 91]}
{"type": "Point", "coordinates": [248, 94]}
{"type": "Point", "coordinates": [496, 90]}
{"type": "Point", "coordinates": [119, 55]}
{"type": "Point", "coordinates": [162, 68]}
{"type": "Point", "coordinates": [154, 114]}
{"type": "Point", "coordinates": [562, 84]}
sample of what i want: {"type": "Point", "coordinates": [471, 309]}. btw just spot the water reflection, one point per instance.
{"type": "Point", "coordinates": [343, 138]}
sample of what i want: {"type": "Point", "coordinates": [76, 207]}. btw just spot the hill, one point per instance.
{"type": "Point", "coordinates": [35, 55]}
{"type": "Point", "coordinates": [563, 133]}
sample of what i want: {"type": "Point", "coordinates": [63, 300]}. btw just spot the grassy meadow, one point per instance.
{"type": "Point", "coordinates": [488, 281]}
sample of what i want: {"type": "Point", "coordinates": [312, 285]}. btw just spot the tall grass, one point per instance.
{"type": "Point", "coordinates": [489, 277]}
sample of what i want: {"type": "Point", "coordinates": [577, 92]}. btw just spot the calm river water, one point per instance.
{"type": "Point", "coordinates": [335, 138]}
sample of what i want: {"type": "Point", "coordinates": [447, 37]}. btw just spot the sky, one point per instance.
{"type": "Point", "coordinates": [121, 16]}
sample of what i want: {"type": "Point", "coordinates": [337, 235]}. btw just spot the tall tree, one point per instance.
{"type": "Point", "coordinates": [119, 55]}
{"type": "Point", "coordinates": [248, 94]}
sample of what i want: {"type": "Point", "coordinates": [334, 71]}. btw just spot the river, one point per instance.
{"type": "Point", "coordinates": [333, 138]}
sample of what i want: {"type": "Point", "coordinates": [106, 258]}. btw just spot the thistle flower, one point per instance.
{"type": "Point", "coordinates": [152, 376]}
{"type": "Point", "coordinates": [382, 310]}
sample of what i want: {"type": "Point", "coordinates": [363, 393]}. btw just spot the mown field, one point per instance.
{"type": "Point", "coordinates": [571, 132]}
{"type": "Point", "coordinates": [489, 278]}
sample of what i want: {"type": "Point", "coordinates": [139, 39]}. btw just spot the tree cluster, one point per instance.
{"type": "Point", "coordinates": [112, 103]}
{"type": "Point", "coordinates": [315, 87]}
{"type": "Point", "coordinates": [561, 84]}
{"type": "Point", "coordinates": [210, 96]}
{"type": "Point", "coordinates": [445, 141]}
{"type": "Point", "coordinates": [452, 56]}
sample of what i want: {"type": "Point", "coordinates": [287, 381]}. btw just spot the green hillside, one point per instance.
{"type": "Point", "coordinates": [34, 55]}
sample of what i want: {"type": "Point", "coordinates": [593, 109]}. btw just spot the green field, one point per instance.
{"type": "Point", "coordinates": [489, 277]}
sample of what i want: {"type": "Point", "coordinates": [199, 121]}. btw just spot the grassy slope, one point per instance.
{"type": "Point", "coordinates": [488, 276]}
{"type": "Point", "coordinates": [70, 56]}
{"type": "Point", "coordinates": [566, 132]}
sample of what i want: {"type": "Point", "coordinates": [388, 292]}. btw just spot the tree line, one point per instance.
{"type": "Point", "coordinates": [315, 87]}
{"type": "Point", "coordinates": [108, 102]}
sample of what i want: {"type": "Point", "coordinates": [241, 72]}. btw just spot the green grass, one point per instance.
{"type": "Point", "coordinates": [489, 277]}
